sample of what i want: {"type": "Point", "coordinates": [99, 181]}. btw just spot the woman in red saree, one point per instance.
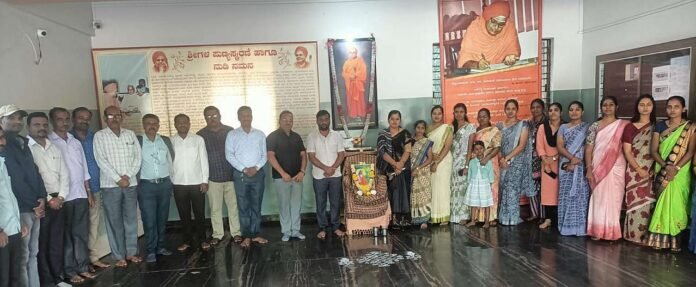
{"type": "Point", "coordinates": [606, 173]}
{"type": "Point", "coordinates": [640, 198]}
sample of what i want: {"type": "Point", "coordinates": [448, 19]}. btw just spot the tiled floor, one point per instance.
{"type": "Point", "coordinates": [451, 256]}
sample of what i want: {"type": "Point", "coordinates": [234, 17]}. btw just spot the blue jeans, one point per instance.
{"type": "Point", "coordinates": [249, 192]}
{"type": "Point", "coordinates": [121, 220]}
{"type": "Point", "coordinates": [154, 210]}
{"type": "Point", "coordinates": [330, 188]}
{"type": "Point", "coordinates": [30, 271]}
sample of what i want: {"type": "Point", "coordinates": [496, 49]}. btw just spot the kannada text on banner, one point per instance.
{"type": "Point", "coordinates": [168, 81]}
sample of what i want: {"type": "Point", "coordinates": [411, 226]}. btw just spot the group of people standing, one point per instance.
{"type": "Point", "coordinates": [578, 176]}
{"type": "Point", "coordinates": [60, 182]}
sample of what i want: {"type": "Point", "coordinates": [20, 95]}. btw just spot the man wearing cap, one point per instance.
{"type": "Point", "coordinates": [490, 39]}
{"type": "Point", "coordinates": [28, 188]}
{"type": "Point", "coordinates": [118, 155]}
{"type": "Point", "coordinates": [56, 179]}
{"type": "Point", "coordinates": [11, 231]}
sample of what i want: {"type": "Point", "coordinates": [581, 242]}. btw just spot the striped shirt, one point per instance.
{"type": "Point", "coordinates": [117, 156]}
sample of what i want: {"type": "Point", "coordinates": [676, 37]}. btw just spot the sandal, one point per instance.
{"type": "Point", "coordinates": [205, 246]}
{"type": "Point", "coordinates": [134, 259]}
{"type": "Point", "coordinates": [88, 275]}
{"type": "Point", "coordinates": [101, 264]}
{"type": "Point", "coordinates": [339, 233]}
{"type": "Point", "coordinates": [237, 239]}
{"type": "Point", "coordinates": [183, 247]}
{"type": "Point", "coordinates": [77, 280]}
{"type": "Point", "coordinates": [321, 234]}
{"type": "Point", "coordinates": [245, 243]}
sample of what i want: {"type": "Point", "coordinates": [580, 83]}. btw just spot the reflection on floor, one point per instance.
{"type": "Point", "coordinates": [442, 256]}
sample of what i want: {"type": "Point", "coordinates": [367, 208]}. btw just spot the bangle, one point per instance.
{"type": "Point", "coordinates": [677, 167]}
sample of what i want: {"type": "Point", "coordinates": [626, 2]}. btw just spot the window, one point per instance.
{"type": "Point", "coordinates": [437, 91]}
{"type": "Point", "coordinates": [546, 48]}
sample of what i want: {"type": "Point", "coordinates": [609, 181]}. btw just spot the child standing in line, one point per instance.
{"type": "Point", "coordinates": [479, 193]}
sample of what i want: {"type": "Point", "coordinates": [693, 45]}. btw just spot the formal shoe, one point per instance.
{"type": "Point", "coordinates": [299, 236]}
{"type": "Point", "coordinates": [164, 252]}
{"type": "Point", "coordinates": [285, 238]}
{"type": "Point", "coordinates": [151, 258]}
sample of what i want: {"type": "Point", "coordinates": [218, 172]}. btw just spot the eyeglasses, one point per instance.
{"type": "Point", "coordinates": [210, 117]}
{"type": "Point", "coordinates": [116, 116]}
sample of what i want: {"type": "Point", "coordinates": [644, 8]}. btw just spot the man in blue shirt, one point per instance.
{"type": "Point", "coordinates": [11, 232]}
{"type": "Point", "coordinates": [155, 187]}
{"type": "Point", "coordinates": [81, 117]}
{"type": "Point", "coordinates": [245, 149]}
{"type": "Point", "coordinates": [27, 186]}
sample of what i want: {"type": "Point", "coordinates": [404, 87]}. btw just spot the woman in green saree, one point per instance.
{"type": "Point", "coordinates": [672, 148]}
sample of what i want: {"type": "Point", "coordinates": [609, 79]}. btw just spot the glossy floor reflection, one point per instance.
{"type": "Point", "coordinates": [451, 256]}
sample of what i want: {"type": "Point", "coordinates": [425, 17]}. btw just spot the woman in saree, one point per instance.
{"type": "Point", "coordinates": [533, 190]}
{"type": "Point", "coordinates": [460, 160]}
{"type": "Point", "coordinates": [640, 198]}
{"type": "Point", "coordinates": [515, 165]}
{"type": "Point", "coordinates": [421, 195]}
{"type": "Point", "coordinates": [606, 172]}
{"type": "Point", "coordinates": [672, 147]}
{"type": "Point", "coordinates": [393, 152]}
{"type": "Point", "coordinates": [546, 144]}
{"type": "Point", "coordinates": [440, 134]}
{"type": "Point", "coordinates": [491, 137]}
{"type": "Point", "coordinates": [574, 193]}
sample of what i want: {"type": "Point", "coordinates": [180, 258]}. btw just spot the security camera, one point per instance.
{"type": "Point", "coordinates": [41, 33]}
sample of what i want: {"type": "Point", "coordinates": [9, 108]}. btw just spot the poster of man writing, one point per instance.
{"type": "Point", "coordinates": [353, 85]}
{"type": "Point", "coordinates": [490, 53]}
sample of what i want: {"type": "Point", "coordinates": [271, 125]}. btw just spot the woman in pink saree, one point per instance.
{"type": "Point", "coordinates": [606, 173]}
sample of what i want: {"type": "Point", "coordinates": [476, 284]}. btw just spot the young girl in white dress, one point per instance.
{"type": "Point", "coordinates": [479, 194]}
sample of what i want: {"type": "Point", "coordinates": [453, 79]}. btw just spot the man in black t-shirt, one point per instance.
{"type": "Point", "coordinates": [286, 153]}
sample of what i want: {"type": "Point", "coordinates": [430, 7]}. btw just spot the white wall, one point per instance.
{"type": "Point", "coordinates": [404, 30]}
{"type": "Point", "coordinates": [562, 21]}
{"type": "Point", "coordinates": [618, 25]}
{"type": "Point", "coordinates": [64, 77]}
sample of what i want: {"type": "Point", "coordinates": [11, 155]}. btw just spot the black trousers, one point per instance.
{"type": "Point", "coordinates": [187, 198]}
{"type": "Point", "coordinates": [10, 258]}
{"type": "Point", "coordinates": [51, 244]}
{"type": "Point", "coordinates": [76, 259]}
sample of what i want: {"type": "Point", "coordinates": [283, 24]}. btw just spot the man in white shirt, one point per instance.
{"type": "Point", "coordinates": [11, 231]}
{"type": "Point", "coordinates": [325, 149]}
{"type": "Point", "coordinates": [78, 201]}
{"type": "Point", "coordinates": [56, 179]}
{"type": "Point", "coordinates": [245, 149]}
{"type": "Point", "coordinates": [118, 155]}
{"type": "Point", "coordinates": [190, 178]}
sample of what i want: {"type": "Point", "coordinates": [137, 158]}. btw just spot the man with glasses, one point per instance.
{"type": "Point", "coordinates": [118, 155]}
{"type": "Point", "coordinates": [155, 187]}
{"type": "Point", "coordinates": [220, 186]}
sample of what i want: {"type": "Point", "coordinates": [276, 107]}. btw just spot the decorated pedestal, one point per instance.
{"type": "Point", "coordinates": [365, 193]}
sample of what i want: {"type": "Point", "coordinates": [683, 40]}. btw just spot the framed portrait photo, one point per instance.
{"type": "Point", "coordinates": [353, 83]}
